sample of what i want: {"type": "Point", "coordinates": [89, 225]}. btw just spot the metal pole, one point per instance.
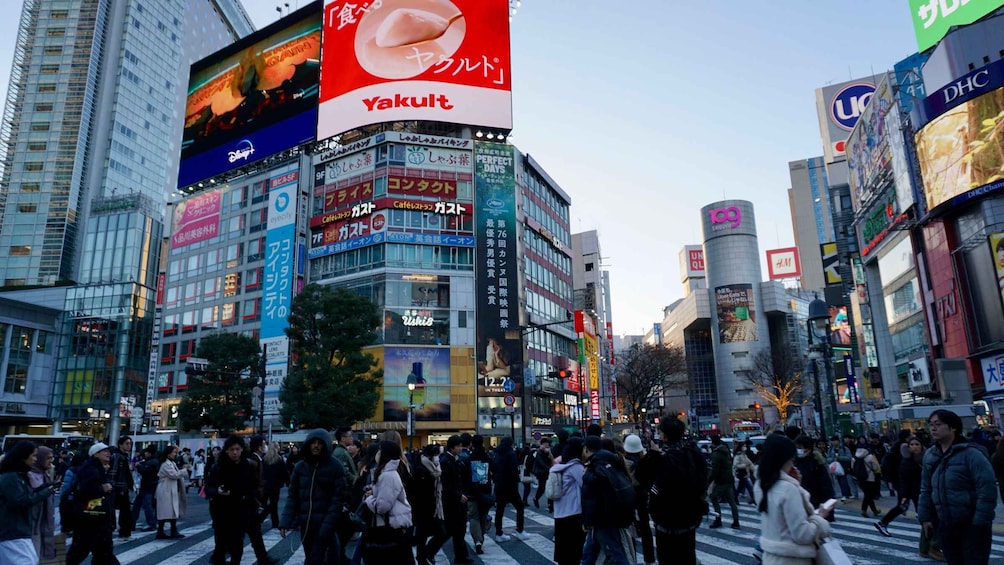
{"type": "Point", "coordinates": [261, 403]}
{"type": "Point", "coordinates": [819, 399]}
{"type": "Point", "coordinates": [411, 420]}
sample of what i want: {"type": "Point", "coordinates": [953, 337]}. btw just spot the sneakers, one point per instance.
{"type": "Point", "coordinates": [716, 524]}
{"type": "Point", "coordinates": [522, 536]}
{"type": "Point", "coordinates": [499, 538]}
{"type": "Point", "coordinates": [883, 529]}
{"type": "Point", "coordinates": [478, 549]}
{"type": "Point", "coordinates": [735, 525]}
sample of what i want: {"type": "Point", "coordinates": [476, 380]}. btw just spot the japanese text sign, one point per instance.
{"type": "Point", "coordinates": [279, 255]}
{"type": "Point", "coordinates": [933, 18]}
{"type": "Point", "coordinates": [394, 60]}
{"type": "Point", "coordinates": [196, 219]}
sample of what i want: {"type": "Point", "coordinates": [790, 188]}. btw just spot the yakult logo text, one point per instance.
{"type": "Point", "coordinates": [732, 215]}
{"type": "Point", "coordinates": [398, 101]}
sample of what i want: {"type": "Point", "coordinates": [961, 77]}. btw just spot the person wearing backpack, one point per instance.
{"type": "Point", "coordinates": [477, 478]}
{"type": "Point", "coordinates": [569, 537]}
{"type": "Point", "coordinates": [608, 506]}
{"type": "Point", "coordinates": [721, 478]}
{"type": "Point", "coordinates": [866, 472]}
{"type": "Point", "coordinates": [634, 454]}
{"type": "Point", "coordinates": [505, 468]}
{"type": "Point", "coordinates": [677, 497]}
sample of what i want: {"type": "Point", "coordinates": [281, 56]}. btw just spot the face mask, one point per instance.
{"type": "Point", "coordinates": [801, 452]}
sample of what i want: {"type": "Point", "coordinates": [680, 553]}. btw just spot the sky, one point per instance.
{"type": "Point", "coordinates": [645, 111]}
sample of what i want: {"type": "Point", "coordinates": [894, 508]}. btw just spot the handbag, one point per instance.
{"type": "Point", "coordinates": [831, 553]}
{"type": "Point", "coordinates": [837, 469]}
{"type": "Point", "coordinates": [525, 476]}
{"type": "Point", "coordinates": [384, 544]}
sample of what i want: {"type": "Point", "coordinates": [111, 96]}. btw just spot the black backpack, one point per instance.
{"type": "Point", "coordinates": [69, 513]}
{"type": "Point", "coordinates": [617, 494]}
{"type": "Point", "coordinates": [859, 470]}
{"type": "Point", "coordinates": [676, 500]}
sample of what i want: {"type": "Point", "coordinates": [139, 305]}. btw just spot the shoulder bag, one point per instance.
{"type": "Point", "coordinates": [831, 553]}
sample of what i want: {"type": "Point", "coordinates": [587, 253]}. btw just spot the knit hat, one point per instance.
{"type": "Point", "coordinates": [777, 447]}
{"type": "Point", "coordinates": [593, 443]}
{"type": "Point", "coordinates": [632, 444]}
{"type": "Point", "coordinates": [96, 448]}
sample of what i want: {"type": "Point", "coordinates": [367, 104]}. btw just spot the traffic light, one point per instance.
{"type": "Point", "coordinates": [494, 422]}
{"type": "Point", "coordinates": [756, 406]}
{"type": "Point", "coordinates": [560, 374]}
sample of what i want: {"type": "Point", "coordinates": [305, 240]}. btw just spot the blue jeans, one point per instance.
{"type": "Point", "coordinates": [611, 542]}
{"type": "Point", "coordinates": [144, 500]}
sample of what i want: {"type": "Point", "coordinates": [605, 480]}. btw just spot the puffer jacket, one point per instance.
{"type": "Point", "coordinates": [957, 486]}
{"type": "Point", "coordinates": [317, 489]}
{"type": "Point", "coordinates": [871, 463]}
{"type": "Point", "coordinates": [389, 502]}
{"type": "Point", "coordinates": [240, 482]}
{"type": "Point", "coordinates": [570, 503]}
{"type": "Point", "coordinates": [505, 468]}
{"type": "Point", "coordinates": [595, 513]}
{"type": "Point", "coordinates": [721, 466]}
{"type": "Point", "coordinates": [19, 505]}
{"type": "Point", "coordinates": [909, 474]}
{"type": "Point", "coordinates": [91, 478]}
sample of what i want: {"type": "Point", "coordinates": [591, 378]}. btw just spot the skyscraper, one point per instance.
{"type": "Point", "coordinates": [90, 125]}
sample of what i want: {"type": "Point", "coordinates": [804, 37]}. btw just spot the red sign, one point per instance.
{"type": "Point", "coordinates": [421, 187]}
{"type": "Point", "coordinates": [783, 263]}
{"type": "Point", "coordinates": [392, 204]}
{"type": "Point", "coordinates": [400, 60]}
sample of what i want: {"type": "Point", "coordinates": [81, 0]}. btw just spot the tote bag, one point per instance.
{"type": "Point", "coordinates": [831, 553]}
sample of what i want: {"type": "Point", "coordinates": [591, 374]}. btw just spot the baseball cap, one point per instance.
{"type": "Point", "coordinates": [96, 448]}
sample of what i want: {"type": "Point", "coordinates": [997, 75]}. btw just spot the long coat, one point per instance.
{"type": "Point", "coordinates": [170, 491]}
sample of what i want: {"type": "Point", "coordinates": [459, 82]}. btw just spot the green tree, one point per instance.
{"type": "Point", "coordinates": [646, 371]}
{"type": "Point", "coordinates": [220, 397]}
{"type": "Point", "coordinates": [333, 383]}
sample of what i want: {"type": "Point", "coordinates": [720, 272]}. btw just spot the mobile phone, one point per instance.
{"type": "Point", "coordinates": [829, 504]}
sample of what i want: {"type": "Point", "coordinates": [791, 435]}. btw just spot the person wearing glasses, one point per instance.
{"type": "Point", "coordinates": [958, 493]}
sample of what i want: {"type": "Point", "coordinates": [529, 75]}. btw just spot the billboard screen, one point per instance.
{"type": "Point", "coordinates": [997, 250]}
{"type": "Point", "coordinates": [961, 152]}
{"type": "Point", "coordinates": [196, 218]}
{"type": "Point", "coordinates": [831, 263]}
{"type": "Point", "coordinates": [838, 107]}
{"type": "Point", "coordinates": [735, 308]}
{"type": "Point", "coordinates": [253, 99]}
{"type": "Point", "coordinates": [869, 159]}
{"type": "Point", "coordinates": [431, 367]}
{"type": "Point", "coordinates": [932, 20]}
{"type": "Point", "coordinates": [499, 353]}
{"type": "Point", "coordinates": [396, 60]}
{"type": "Point", "coordinates": [783, 263]}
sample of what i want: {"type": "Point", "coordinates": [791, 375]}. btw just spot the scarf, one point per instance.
{"type": "Point", "coordinates": [432, 465]}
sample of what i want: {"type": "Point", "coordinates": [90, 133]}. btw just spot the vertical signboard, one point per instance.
{"type": "Point", "coordinates": [278, 286]}
{"type": "Point", "coordinates": [691, 262]}
{"type": "Point", "coordinates": [499, 355]}
{"type": "Point", "coordinates": [196, 219]}
{"type": "Point", "coordinates": [838, 107]}
{"type": "Point", "coordinates": [395, 60]}
{"type": "Point", "coordinates": [831, 263]}
{"type": "Point", "coordinates": [997, 250]}
{"type": "Point", "coordinates": [736, 311]}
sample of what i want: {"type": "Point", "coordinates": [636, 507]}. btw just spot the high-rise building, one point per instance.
{"type": "Point", "coordinates": [809, 198]}
{"type": "Point", "coordinates": [592, 295]}
{"type": "Point", "coordinates": [90, 123]}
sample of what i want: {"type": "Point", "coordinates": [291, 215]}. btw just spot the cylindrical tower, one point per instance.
{"type": "Point", "coordinates": [739, 328]}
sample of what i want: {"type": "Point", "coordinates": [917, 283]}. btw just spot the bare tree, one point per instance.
{"type": "Point", "coordinates": [644, 372]}
{"type": "Point", "coordinates": [776, 380]}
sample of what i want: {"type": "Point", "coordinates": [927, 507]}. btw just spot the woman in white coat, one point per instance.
{"type": "Point", "coordinates": [388, 501]}
{"type": "Point", "coordinates": [170, 493]}
{"type": "Point", "coordinates": [790, 529]}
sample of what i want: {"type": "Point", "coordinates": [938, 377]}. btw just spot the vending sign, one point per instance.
{"type": "Point", "coordinates": [397, 60]}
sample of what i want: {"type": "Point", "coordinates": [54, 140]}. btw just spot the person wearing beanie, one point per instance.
{"type": "Point", "coordinates": [790, 529]}
{"type": "Point", "coordinates": [93, 526]}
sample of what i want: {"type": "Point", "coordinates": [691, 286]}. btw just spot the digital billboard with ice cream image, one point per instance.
{"type": "Point", "coordinates": [400, 60]}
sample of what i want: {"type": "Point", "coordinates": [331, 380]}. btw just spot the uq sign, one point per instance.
{"type": "Point", "coordinates": [849, 103]}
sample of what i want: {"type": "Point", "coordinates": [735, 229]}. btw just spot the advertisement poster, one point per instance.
{"type": "Point", "coordinates": [997, 250]}
{"type": "Point", "coordinates": [831, 263]}
{"type": "Point", "coordinates": [868, 153]}
{"type": "Point", "coordinates": [252, 100]}
{"type": "Point", "coordinates": [932, 20]}
{"type": "Point", "coordinates": [196, 219]}
{"type": "Point", "coordinates": [783, 263]}
{"type": "Point", "coordinates": [431, 367]}
{"type": "Point", "coordinates": [840, 327]}
{"type": "Point", "coordinates": [961, 152]}
{"type": "Point", "coordinates": [499, 356]}
{"type": "Point", "coordinates": [396, 60]}
{"type": "Point", "coordinates": [734, 306]}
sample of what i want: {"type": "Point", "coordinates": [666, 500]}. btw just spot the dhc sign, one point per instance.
{"type": "Point", "coordinates": [848, 104]}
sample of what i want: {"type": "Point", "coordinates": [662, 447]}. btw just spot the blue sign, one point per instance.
{"type": "Point", "coordinates": [849, 103]}
{"type": "Point", "coordinates": [509, 385]}
{"type": "Point", "coordinates": [279, 258]}
{"type": "Point", "coordinates": [965, 88]}
{"type": "Point", "coordinates": [910, 82]}
{"type": "Point", "coordinates": [391, 237]}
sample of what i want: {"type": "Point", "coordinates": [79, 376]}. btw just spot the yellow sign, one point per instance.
{"type": "Point", "coordinates": [594, 374]}
{"type": "Point", "coordinates": [78, 387]}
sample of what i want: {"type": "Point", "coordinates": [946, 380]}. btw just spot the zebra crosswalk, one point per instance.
{"type": "Point", "coordinates": [857, 534]}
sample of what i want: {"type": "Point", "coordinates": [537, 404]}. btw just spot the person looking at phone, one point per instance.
{"type": "Point", "coordinates": [19, 501]}
{"type": "Point", "coordinates": [231, 489]}
{"type": "Point", "coordinates": [790, 529]}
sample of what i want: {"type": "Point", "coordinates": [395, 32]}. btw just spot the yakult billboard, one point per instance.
{"type": "Point", "coordinates": [396, 60]}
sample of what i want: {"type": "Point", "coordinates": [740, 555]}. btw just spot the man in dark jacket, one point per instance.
{"type": "Point", "coordinates": [815, 475]}
{"type": "Point", "coordinates": [958, 492]}
{"type": "Point", "coordinates": [454, 499]}
{"type": "Point", "coordinates": [230, 489]}
{"type": "Point", "coordinates": [147, 469]}
{"type": "Point", "coordinates": [606, 528]}
{"type": "Point", "coordinates": [506, 472]}
{"type": "Point", "coordinates": [95, 510]}
{"type": "Point", "coordinates": [256, 460]}
{"type": "Point", "coordinates": [542, 461]}
{"type": "Point", "coordinates": [477, 487]}
{"type": "Point", "coordinates": [318, 493]}
{"type": "Point", "coordinates": [120, 476]}
{"type": "Point", "coordinates": [724, 485]}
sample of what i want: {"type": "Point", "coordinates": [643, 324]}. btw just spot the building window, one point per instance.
{"type": "Point", "coordinates": [33, 166]}
{"type": "Point", "coordinates": [40, 126]}
{"type": "Point", "coordinates": [46, 87]}
{"type": "Point", "coordinates": [16, 381]}
{"type": "Point", "coordinates": [41, 342]}
{"type": "Point", "coordinates": [30, 187]}
{"type": "Point", "coordinates": [20, 250]}
{"type": "Point", "coordinates": [59, 14]}
{"type": "Point", "coordinates": [36, 146]}
{"type": "Point", "coordinates": [27, 208]}
{"type": "Point", "coordinates": [56, 32]}
{"type": "Point", "coordinates": [589, 267]}
{"type": "Point", "coordinates": [46, 107]}
{"type": "Point", "coordinates": [252, 310]}
{"type": "Point", "coordinates": [53, 50]}
{"type": "Point", "coordinates": [168, 352]}
{"type": "Point", "coordinates": [50, 69]}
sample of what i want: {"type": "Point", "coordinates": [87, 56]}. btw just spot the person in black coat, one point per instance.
{"type": "Point", "coordinates": [275, 476]}
{"type": "Point", "coordinates": [95, 521]}
{"type": "Point", "coordinates": [815, 474]}
{"type": "Point", "coordinates": [230, 489]}
{"type": "Point", "coordinates": [908, 489]}
{"type": "Point", "coordinates": [454, 499]}
{"type": "Point", "coordinates": [505, 469]}
{"type": "Point", "coordinates": [318, 494]}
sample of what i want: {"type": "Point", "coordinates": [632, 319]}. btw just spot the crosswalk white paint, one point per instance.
{"type": "Point", "coordinates": [856, 534]}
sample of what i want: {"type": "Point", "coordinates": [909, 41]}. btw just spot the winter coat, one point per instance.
{"type": "Point", "coordinates": [44, 524]}
{"type": "Point", "coordinates": [239, 481]}
{"type": "Point", "coordinates": [594, 515]}
{"type": "Point", "coordinates": [957, 486]}
{"type": "Point", "coordinates": [90, 479]}
{"type": "Point", "coordinates": [815, 479]}
{"type": "Point", "coordinates": [476, 491]}
{"type": "Point", "coordinates": [910, 469]}
{"type": "Point", "coordinates": [19, 505]}
{"type": "Point", "coordinates": [790, 527]}
{"type": "Point", "coordinates": [871, 463]}
{"type": "Point", "coordinates": [119, 473]}
{"type": "Point", "coordinates": [542, 461]}
{"type": "Point", "coordinates": [342, 455]}
{"type": "Point", "coordinates": [570, 503]}
{"type": "Point", "coordinates": [452, 479]}
{"type": "Point", "coordinates": [318, 489]}
{"type": "Point", "coordinates": [275, 475]}
{"type": "Point", "coordinates": [742, 461]}
{"type": "Point", "coordinates": [148, 469]}
{"type": "Point", "coordinates": [389, 502]}
{"type": "Point", "coordinates": [427, 492]}
{"type": "Point", "coordinates": [721, 466]}
{"type": "Point", "coordinates": [505, 468]}
{"type": "Point", "coordinates": [171, 499]}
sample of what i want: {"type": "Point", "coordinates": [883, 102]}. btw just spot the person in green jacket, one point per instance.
{"type": "Point", "coordinates": [19, 503]}
{"type": "Point", "coordinates": [723, 484]}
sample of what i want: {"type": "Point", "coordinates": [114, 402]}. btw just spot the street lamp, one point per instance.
{"type": "Point", "coordinates": [819, 347]}
{"type": "Point", "coordinates": [412, 383]}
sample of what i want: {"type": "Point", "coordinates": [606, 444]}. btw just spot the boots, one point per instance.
{"type": "Point", "coordinates": [160, 530]}
{"type": "Point", "coordinates": [735, 524]}
{"type": "Point", "coordinates": [175, 534]}
{"type": "Point", "coordinates": [717, 523]}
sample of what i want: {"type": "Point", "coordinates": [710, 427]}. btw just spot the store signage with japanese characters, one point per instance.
{"type": "Point", "coordinates": [397, 60]}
